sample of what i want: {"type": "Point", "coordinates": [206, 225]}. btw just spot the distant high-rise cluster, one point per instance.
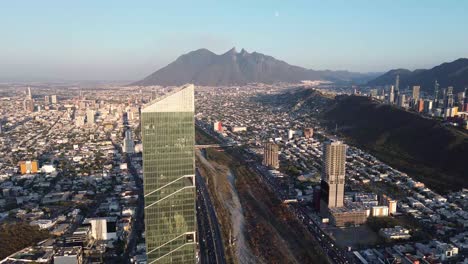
{"type": "Point", "coordinates": [31, 105]}
{"type": "Point", "coordinates": [449, 109]}
{"type": "Point", "coordinates": [442, 102]}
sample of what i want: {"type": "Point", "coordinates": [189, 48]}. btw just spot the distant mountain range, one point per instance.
{"type": "Point", "coordinates": [203, 67]}
{"type": "Point", "coordinates": [453, 73]}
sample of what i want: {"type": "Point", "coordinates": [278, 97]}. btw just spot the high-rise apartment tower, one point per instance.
{"type": "Point", "coordinates": [333, 175]}
{"type": "Point", "coordinates": [270, 155]}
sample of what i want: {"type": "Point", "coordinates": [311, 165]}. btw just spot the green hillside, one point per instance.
{"type": "Point", "coordinates": [14, 237]}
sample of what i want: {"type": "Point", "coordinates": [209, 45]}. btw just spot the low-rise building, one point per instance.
{"type": "Point", "coordinates": [397, 232]}
{"type": "Point", "coordinates": [379, 211]}
{"type": "Point", "coordinates": [29, 166]}
{"type": "Point", "coordinates": [343, 216]}
{"type": "Point", "coordinates": [68, 255]}
{"type": "Point", "coordinates": [30, 255]}
{"type": "Point", "coordinates": [103, 228]}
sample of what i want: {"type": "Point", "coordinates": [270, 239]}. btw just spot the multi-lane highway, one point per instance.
{"type": "Point", "coordinates": [210, 241]}
{"type": "Point", "coordinates": [334, 254]}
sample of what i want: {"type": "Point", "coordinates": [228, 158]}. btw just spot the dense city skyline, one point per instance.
{"type": "Point", "coordinates": [111, 173]}
{"type": "Point", "coordinates": [222, 132]}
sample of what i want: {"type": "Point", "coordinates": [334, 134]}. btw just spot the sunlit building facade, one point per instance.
{"type": "Point", "coordinates": [29, 166]}
{"type": "Point", "coordinates": [168, 133]}
{"type": "Point", "coordinates": [270, 155]}
{"type": "Point", "coordinates": [333, 175]}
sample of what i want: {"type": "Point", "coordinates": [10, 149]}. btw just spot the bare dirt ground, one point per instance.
{"type": "Point", "coordinates": [274, 233]}
{"type": "Point", "coordinates": [257, 227]}
{"type": "Point", "coordinates": [218, 186]}
{"type": "Point", "coordinates": [220, 183]}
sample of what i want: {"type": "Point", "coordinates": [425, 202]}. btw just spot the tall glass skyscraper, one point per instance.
{"type": "Point", "coordinates": [168, 132]}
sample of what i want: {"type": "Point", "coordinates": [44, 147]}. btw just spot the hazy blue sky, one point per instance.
{"type": "Point", "coordinates": [115, 40]}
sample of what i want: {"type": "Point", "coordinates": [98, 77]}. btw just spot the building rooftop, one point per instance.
{"type": "Point", "coordinates": [68, 251]}
{"type": "Point", "coordinates": [171, 101]}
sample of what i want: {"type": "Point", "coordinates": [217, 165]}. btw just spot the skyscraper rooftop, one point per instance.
{"type": "Point", "coordinates": [171, 102]}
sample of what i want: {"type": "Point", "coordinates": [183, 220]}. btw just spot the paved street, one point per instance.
{"type": "Point", "coordinates": [334, 254]}
{"type": "Point", "coordinates": [211, 243]}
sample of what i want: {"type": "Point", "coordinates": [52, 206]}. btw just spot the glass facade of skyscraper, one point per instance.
{"type": "Point", "coordinates": [168, 133]}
